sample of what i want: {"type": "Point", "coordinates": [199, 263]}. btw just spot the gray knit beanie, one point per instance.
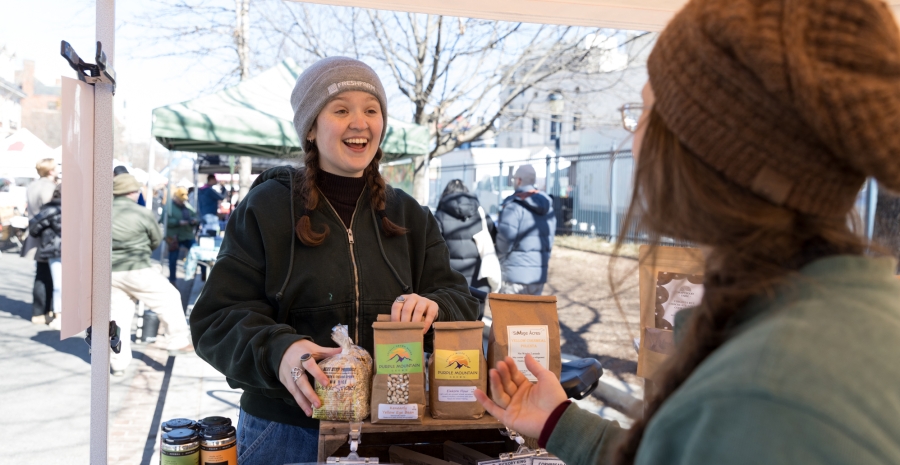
{"type": "Point", "coordinates": [323, 81]}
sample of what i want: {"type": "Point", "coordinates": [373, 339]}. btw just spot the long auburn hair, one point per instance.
{"type": "Point", "coordinates": [307, 193]}
{"type": "Point", "coordinates": [754, 245]}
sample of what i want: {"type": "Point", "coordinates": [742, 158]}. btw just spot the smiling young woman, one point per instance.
{"type": "Point", "coordinates": [312, 248]}
{"type": "Point", "coordinates": [344, 133]}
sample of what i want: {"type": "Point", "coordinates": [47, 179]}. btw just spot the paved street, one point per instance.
{"type": "Point", "coordinates": [45, 382]}
{"type": "Point", "coordinates": [45, 388]}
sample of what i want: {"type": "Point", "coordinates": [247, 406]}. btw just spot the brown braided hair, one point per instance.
{"type": "Point", "coordinates": [753, 245]}
{"type": "Point", "coordinates": [307, 193]}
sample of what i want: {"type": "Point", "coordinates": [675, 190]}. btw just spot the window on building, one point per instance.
{"type": "Point", "coordinates": [576, 121]}
{"type": "Point", "coordinates": [535, 125]}
{"type": "Point", "coordinates": [52, 105]}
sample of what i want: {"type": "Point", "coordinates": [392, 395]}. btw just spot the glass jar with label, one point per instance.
{"type": "Point", "coordinates": [218, 446]}
{"type": "Point", "coordinates": [180, 447]}
{"type": "Point", "coordinates": [209, 422]}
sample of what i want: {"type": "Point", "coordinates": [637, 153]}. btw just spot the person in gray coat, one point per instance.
{"type": "Point", "coordinates": [525, 233]}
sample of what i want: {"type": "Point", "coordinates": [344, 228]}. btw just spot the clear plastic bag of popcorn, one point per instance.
{"type": "Point", "coordinates": [346, 398]}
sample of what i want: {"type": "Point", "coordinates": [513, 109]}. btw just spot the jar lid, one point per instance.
{"type": "Point", "coordinates": [177, 423]}
{"type": "Point", "coordinates": [215, 433]}
{"type": "Point", "coordinates": [214, 421]}
{"type": "Point", "coordinates": [180, 436]}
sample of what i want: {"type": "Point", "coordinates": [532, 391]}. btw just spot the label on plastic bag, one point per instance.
{"type": "Point", "coordinates": [398, 411]}
{"type": "Point", "coordinates": [529, 339]}
{"type": "Point", "coordinates": [456, 394]}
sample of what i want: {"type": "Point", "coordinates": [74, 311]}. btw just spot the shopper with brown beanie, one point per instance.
{"type": "Point", "coordinates": [761, 120]}
{"type": "Point", "coordinates": [310, 249]}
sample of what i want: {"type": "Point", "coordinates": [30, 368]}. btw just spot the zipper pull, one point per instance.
{"type": "Point", "coordinates": [350, 233]}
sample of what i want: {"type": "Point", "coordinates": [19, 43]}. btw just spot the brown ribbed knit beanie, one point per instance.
{"type": "Point", "coordinates": [795, 100]}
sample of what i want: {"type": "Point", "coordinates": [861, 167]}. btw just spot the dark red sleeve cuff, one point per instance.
{"type": "Point", "coordinates": [550, 425]}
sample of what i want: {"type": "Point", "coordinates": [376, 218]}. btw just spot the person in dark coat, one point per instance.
{"type": "Point", "coordinates": [46, 228]}
{"type": "Point", "coordinates": [458, 218]}
{"type": "Point", "coordinates": [525, 233]}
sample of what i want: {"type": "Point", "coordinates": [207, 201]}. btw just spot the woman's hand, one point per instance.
{"type": "Point", "coordinates": [518, 404]}
{"type": "Point", "coordinates": [414, 308]}
{"type": "Point", "coordinates": [303, 392]}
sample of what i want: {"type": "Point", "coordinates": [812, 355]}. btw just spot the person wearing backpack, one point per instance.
{"type": "Point", "coordinates": [525, 233]}
{"type": "Point", "coordinates": [461, 218]}
{"type": "Point", "coordinates": [46, 227]}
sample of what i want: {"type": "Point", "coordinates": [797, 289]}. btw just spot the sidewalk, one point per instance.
{"type": "Point", "coordinates": [45, 388]}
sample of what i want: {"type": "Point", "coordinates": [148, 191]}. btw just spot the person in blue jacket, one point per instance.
{"type": "Point", "coordinates": [525, 233]}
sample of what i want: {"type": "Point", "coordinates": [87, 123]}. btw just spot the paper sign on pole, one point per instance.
{"type": "Point", "coordinates": [77, 195]}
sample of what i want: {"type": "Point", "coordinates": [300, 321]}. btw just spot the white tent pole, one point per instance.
{"type": "Point", "coordinates": [150, 162]}
{"type": "Point", "coordinates": [102, 240]}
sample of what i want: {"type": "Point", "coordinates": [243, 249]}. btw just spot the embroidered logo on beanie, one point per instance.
{"type": "Point", "coordinates": [336, 87]}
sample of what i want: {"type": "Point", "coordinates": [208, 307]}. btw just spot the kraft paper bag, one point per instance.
{"type": "Point", "coordinates": [398, 388]}
{"type": "Point", "coordinates": [524, 324]}
{"type": "Point", "coordinates": [456, 368]}
{"type": "Point", "coordinates": [671, 280]}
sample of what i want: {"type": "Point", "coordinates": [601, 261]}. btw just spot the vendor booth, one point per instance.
{"type": "Point", "coordinates": [254, 118]}
{"type": "Point", "coordinates": [251, 119]}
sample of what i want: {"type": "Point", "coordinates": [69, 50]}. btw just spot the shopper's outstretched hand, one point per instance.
{"type": "Point", "coordinates": [302, 391]}
{"type": "Point", "coordinates": [518, 404]}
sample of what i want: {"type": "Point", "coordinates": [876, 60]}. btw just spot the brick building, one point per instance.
{"type": "Point", "coordinates": [11, 95]}
{"type": "Point", "coordinates": [41, 112]}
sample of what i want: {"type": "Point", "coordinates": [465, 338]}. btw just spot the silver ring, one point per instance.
{"type": "Point", "coordinates": [401, 299]}
{"type": "Point", "coordinates": [298, 371]}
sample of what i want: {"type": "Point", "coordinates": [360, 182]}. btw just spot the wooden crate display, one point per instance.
{"type": "Point", "coordinates": [428, 438]}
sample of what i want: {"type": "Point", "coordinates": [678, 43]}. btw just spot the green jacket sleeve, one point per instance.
{"type": "Point", "coordinates": [153, 230]}
{"type": "Point", "coordinates": [583, 438]}
{"type": "Point", "coordinates": [737, 428]}
{"type": "Point", "coordinates": [173, 219]}
{"type": "Point", "coordinates": [442, 284]}
{"type": "Point", "coordinates": [233, 323]}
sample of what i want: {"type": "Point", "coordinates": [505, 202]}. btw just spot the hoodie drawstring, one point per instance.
{"type": "Point", "coordinates": [282, 316]}
{"type": "Point", "coordinates": [403, 285]}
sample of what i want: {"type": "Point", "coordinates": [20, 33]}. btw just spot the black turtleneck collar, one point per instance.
{"type": "Point", "coordinates": [342, 192]}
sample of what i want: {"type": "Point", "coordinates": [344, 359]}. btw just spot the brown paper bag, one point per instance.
{"type": "Point", "coordinates": [524, 324]}
{"type": "Point", "coordinates": [671, 279]}
{"type": "Point", "coordinates": [398, 388]}
{"type": "Point", "coordinates": [656, 347]}
{"type": "Point", "coordinates": [456, 368]}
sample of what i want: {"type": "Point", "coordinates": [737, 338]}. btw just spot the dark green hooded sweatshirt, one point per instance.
{"type": "Point", "coordinates": [267, 290]}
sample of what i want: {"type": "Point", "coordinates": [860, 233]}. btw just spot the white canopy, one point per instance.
{"type": "Point", "coordinates": [640, 15]}
{"type": "Point", "coordinates": [20, 152]}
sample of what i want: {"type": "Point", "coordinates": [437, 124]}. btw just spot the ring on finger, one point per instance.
{"type": "Point", "coordinates": [298, 371]}
{"type": "Point", "coordinates": [401, 299]}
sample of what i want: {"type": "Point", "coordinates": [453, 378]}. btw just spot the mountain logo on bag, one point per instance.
{"type": "Point", "coordinates": [458, 359]}
{"type": "Point", "coordinates": [399, 358]}
{"type": "Point", "coordinates": [400, 354]}
{"type": "Point", "coordinates": [456, 364]}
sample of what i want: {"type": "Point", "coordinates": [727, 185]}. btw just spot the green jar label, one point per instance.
{"type": "Point", "coordinates": [395, 359]}
{"type": "Point", "coordinates": [180, 458]}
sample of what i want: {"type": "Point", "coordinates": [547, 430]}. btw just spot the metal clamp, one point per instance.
{"type": "Point", "coordinates": [91, 74]}
{"type": "Point", "coordinates": [523, 450]}
{"type": "Point", "coordinates": [355, 439]}
{"type": "Point", "coordinates": [115, 341]}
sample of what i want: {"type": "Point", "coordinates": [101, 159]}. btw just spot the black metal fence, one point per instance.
{"type": "Point", "coordinates": [591, 192]}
